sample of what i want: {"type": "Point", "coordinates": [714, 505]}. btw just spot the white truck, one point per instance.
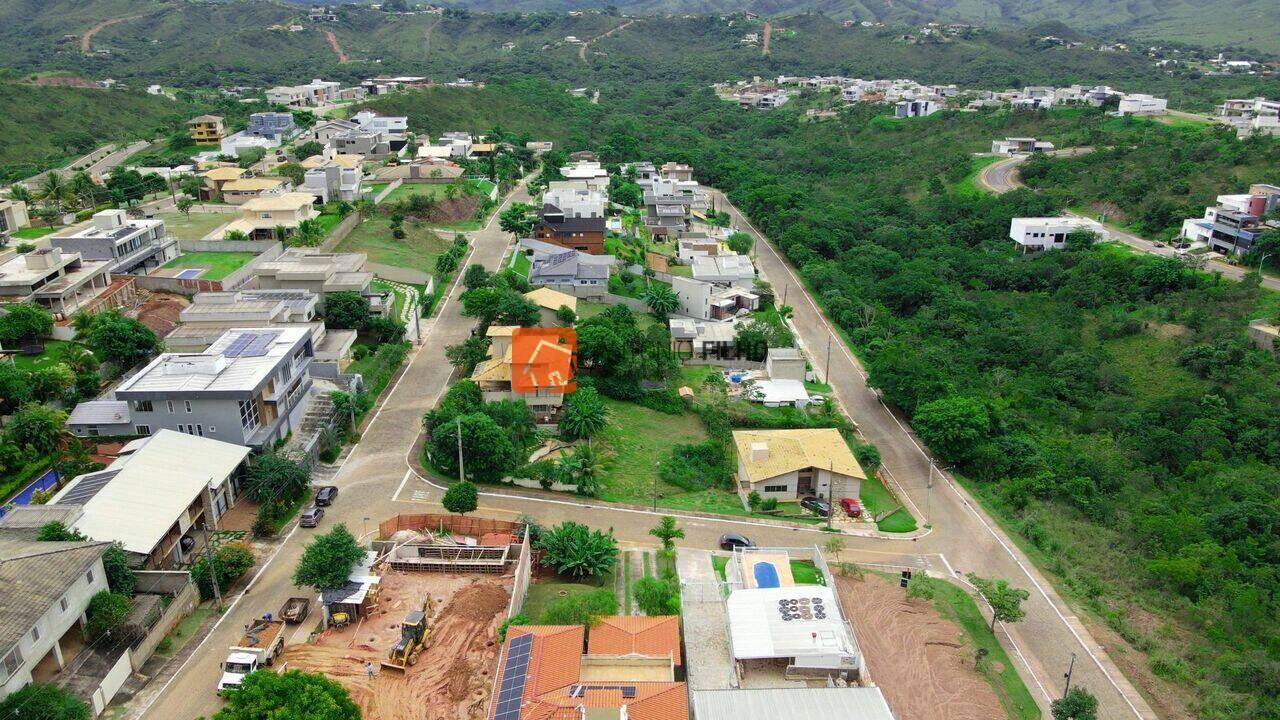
{"type": "Point", "coordinates": [262, 642]}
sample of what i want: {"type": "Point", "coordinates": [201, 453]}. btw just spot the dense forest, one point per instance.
{"type": "Point", "coordinates": [1106, 406]}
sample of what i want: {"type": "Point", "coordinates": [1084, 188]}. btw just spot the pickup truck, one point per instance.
{"type": "Point", "coordinates": [295, 610]}
{"type": "Point", "coordinates": [262, 642]}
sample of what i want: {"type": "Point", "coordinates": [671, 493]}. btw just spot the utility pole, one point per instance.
{"type": "Point", "coordinates": [928, 498]}
{"type": "Point", "coordinates": [657, 469]}
{"type": "Point", "coordinates": [461, 474]}
{"type": "Point", "coordinates": [785, 288]}
{"type": "Point", "coordinates": [826, 374]}
{"type": "Point", "coordinates": [831, 491]}
{"type": "Point", "coordinates": [1067, 675]}
{"type": "Point", "coordinates": [213, 567]}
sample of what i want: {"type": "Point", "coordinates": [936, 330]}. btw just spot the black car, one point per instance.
{"type": "Point", "coordinates": [310, 517]}
{"type": "Point", "coordinates": [732, 541]}
{"type": "Point", "coordinates": [326, 495]}
{"type": "Point", "coordinates": [817, 505]}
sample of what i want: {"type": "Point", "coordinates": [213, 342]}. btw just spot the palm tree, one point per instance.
{"type": "Point", "coordinates": [53, 190]}
{"type": "Point", "coordinates": [661, 299]}
{"type": "Point", "coordinates": [584, 414]}
{"type": "Point", "coordinates": [20, 192]}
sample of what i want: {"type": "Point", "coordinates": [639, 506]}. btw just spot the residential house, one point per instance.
{"type": "Point", "coordinates": [494, 375]}
{"type": "Point", "coordinates": [1034, 98]}
{"type": "Point", "coordinates": [727, 269]}
{"type": "Point", "coordinates": [575, 199]}
{"type": "Point", "coordinates": [1019, 145]}
{"type": "Point", "coordinates": [703, 339]}
{"type": "Point", "coordinates": [549, 303]}
{"type": "Point", "coordinates": [278, 126]}
{"type": "Point", "coordinates": [216, 179]}
{"type": "Point", "coordinates": [332, 182]}
{"type": "Point", "coordinates": [324, 132]}
{"type": "Point", "coordinates": [316, 92]}
{"type": "Point", "coordinates": [288, 95]}
{"type": "Point", "coordinates": [61, 282]}
{"type": "Point", "coordinates": [157, 494]}
{"type": "Point", "coordinates": [207, 128]}
{"type": "Point", "coordinates": [372, 144]}
{"type": "Point", "coordinates": [1251, 115]}
{"type": "Point", "coordinates": [589, 172]}
{"type": "Point", "coordinates": [1139, 104]}
{"type": "Point", "coordinates": [329, 157]}
{"type": "Point", "coordinates": [262, 216]}
{"type": "Point", "coordinates": [239, 192]}
{"type": "Point", "coordinates": [689, 248]}
{"type": "Point", "coordinates": [706, 301]}
{"type": "Point", "coordinates": [457, 142]}
{"type": "Point", "coordinates": [395, 127]}
{"type": "Point", "coordinates": [585, 275]}
{"type": "Point", "coordinates": [784, 363]}
{"type": "Point", "coordinates": [916, 108]}
{"type": "Point", "coordinates": [539, 147]}
{"type": "Point", "coordinates": [584, 234]}
{"type": "Point", "coordinates": [1233, 224]}
{"type": "Point", "coordinates": [320, 273]}
{"type": "Point", "coordinates": [13, 216]}
{"type": "Point", "coordinates": [243, 143]}
{"type": "Point", "coordinates": [792, 464]}
{"type": "Point", "coordinates": [543, 673]}
{"type": "Point", "coordinates": [644, 172]}
{"type": "Point", "coordinates": [47, 589]}
{"type": "Point", "coordinates": [1033, 234]}
{"type": "Point", "coordinates": [435, 171]}
{"type": "Point", "coordinates": [791, 703]}
{"type": "Point", "coordinates": [129, 246]}
{"type": "Point", "coordinates": [248, 388]}
{"type": "Point", "coordinates": [678, 172]}
{"type": "Point", "coordinates": [211, 314]}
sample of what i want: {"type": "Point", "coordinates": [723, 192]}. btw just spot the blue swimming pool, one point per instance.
{"type": "Point", "coordinates": [766, 575]}
{"type": "Point", "coordinates": [191, 274]}
{"type": "Point", "coordinates": [44, 482]}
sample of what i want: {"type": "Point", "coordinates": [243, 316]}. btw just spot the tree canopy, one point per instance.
{"type": "Point", "coordinates": [327, 560]}
{"type": "Point", "coordinates": [293, 695]}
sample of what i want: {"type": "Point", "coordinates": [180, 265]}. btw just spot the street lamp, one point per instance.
{"type": "Point", "coordinates": [1263, 260]}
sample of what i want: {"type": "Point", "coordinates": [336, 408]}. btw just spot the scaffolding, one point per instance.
{"type": "Point", "coordinates": [450, 558]}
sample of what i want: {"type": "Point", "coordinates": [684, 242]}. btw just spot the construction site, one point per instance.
{"type": "Point", "coordinates": [422, 613]}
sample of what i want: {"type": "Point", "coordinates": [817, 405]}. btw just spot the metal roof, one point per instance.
{"type": "Point", "coordinates": [35, 575]}
{"type": "Point", "coordinates": [151, 488]}
{"type": "Point", "coordinates": [758, 629]}
{"type": "Point", "coordinates": [100, 412]}
{"type": "Point", "coordinates": [851, 703]}
{"type": "Point", "coordinates": [239, 361]}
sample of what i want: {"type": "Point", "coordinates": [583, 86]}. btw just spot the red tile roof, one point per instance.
{"type": "Point", "coordinates": [657, 636]}
{"type": "Point", "coordinates": [653, 701]}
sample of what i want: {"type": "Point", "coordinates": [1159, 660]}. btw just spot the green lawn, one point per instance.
{"type": "Point", "coordinates": [417, 250]}
{"type": "Point", "coordinates": [954, 604]}
{"type": "Point", "coordinates": [588, 308]}
{"type": "Point", "coordinates": [407, 190]}
{"type": "Point", "coordinates": [522, 265]}
{"type": "Point", "coordinates": [52, 348]}
{"type": "Point", "coordinates": [186, 628]}
{"type": "Point", "coordinates": [328, 221]}
{"type": "Point", "coordinates": [194, 226]}
{"type": "Point", "coordinates": [636, 439]}
{"type": "Point", "coordinates": [32, 233]}
{"type": "Point", "coordinates": [876, 498]}
{"type": "Point", "coordinates": [544, 592]}
{"type": "Point", "coordinates": [376, 188]}
{"type": "Point", "coordinates": [804, 572]}
{"type": "Point", "coordinates": [680, 270]}
{"type": "Point", "coordinates": [217, 265]}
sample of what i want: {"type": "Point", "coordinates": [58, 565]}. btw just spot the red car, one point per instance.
{"type": "Point", "coordinates": [851, 506]}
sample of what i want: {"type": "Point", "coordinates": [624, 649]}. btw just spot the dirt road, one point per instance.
{"type": "Point", "coordinates": [86, 40]}
{"type": "Point", "coordinates": [768, 33]}
{"type": "Point", "coordinates": [582, 49]}
{"type": "Point", "coordinates": [337, 49]}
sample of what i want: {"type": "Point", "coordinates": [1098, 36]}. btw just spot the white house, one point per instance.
{"type": "Point", "coordinates": [792, 464]}
{"type": "Point", "coordinates": [706, 301]}
{"type": "Point", "coordinates": [575, 198]}
{"type": "Point", "coordinates": [1139, 104]}
{"type": "Point", "coordinates": [1033, 234]}
{"type": "Point", "coordinates": [915, 108]}
{"type": "Point", "coordinates": [395, 126]}
{"type": "Point", "coordinates": [734, 270]}
{"type": "Point", "coordinates": [1016, 145]}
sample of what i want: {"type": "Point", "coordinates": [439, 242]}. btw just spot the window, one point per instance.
{"type": "Point", "coordinates": [249, 418]}
{"type": "Point", "coordinates": [88, 577]}
{"type": "Point", "coordinates": [62, 603]}
{"type": "Point", "coordinates": [91, 431]}
{"type": "Point", "coordinates": [11, 663]}
{"type": "Point", "coordinates": [200, 430]}
{"type": "Point", "coordinates": [142, 429]}
{"type": "Point", "coordinates": [35, 633]}
{"type": "Point", "coordinates": [170, 404]}
{"type": "Point", "coordinates": [775, 488]}
{"type": "Point", "coordinates": [187, 405]}
{"type": "Point", "coordinates": [213, 429]}
{"type": "Point", "coordinates": [142, 405]}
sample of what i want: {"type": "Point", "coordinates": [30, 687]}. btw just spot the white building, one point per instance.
{"type": "Point", "coordinates": [706, 301]}
{"type": "Point", "coordinates": [575, 198]}
{"type": "Point", "coordinates": [333, 182]}
{"type": "Point", "coordinates": [733, 270]}
{"type": "Point", "coordinates": [1139, 104]}
{"type": "Point", "coordinates": [916, 108]}
{"type": "Point", "coordinates": [1033, 234]}
{"type": "Point", "coordinates": [592, 174]}
{"type": "Point", "coordinates": [1017, 145]}
{"type": "Point", "coordinates": [394, 126]}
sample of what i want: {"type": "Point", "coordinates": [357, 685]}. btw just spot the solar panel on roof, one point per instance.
{"type": "Point", "coordinates": [87, 488]}
{"type": "Point", "coordinates": [259, 346]}
{"type": "Point", "coordinates": [511, 692]}
{"type": "Point", "coordinates": [238, 345]}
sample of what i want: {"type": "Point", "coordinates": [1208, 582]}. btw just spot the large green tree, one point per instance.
{"type": "Point", "coordinates": [953, 427]}
{"type": "Point", "coordinates": [293, 695]}
{"type": "Point", "coordinates": [461, 498]}
{"type": "Point", "coordinates": [276, 477]}
{"type": "Point", "coordinates": [120, 340]}
{"type": "Point", "coordinates": [575, 550]}
{"type": "Point", "coordinates": [41, 701]}
{"type": "Point", "coordinates": [327, 560]}
{"type": "Point", "coordinates": [1004, 599]}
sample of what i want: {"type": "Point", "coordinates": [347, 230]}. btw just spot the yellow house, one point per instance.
{"type": "Point", "coordinates": [548, 302]}
{"type": "Point", "coordinates": [792, 464]}
{"type": "Point", "coordinates": [239, 192]}
{"type": "Point", "coordinates": [206, 128]}
{"type": "Point", "coordinates": [216, 179]}
{"type": "Point", "coordinates": [260, 216]}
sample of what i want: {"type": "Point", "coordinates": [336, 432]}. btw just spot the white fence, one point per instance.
{"type": "Point", "coordinates": [112, 683]}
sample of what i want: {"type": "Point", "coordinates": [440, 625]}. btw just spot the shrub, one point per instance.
{"type": "Point", "coordinates": [581, 609]}
{"type": "Point", "coordinates": [754, 500]}
{"type": "Point", "coordinates": [107, 612]}
{"type": "Point", "coordinates": [359, 352]}
{"type": "Point", "coordinates": [518, 619]}
{"type": "Point", "coordinates": [657, 596]}
{"type": "Point", "coordinates": [697, 467]}
{"type": "Point", "coordinates": [232, 560]}
{"type": "Point", "coordinates": [769, 504]}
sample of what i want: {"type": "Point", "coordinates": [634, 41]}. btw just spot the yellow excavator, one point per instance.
{"type": "Point", "coordinates": [413, 637]}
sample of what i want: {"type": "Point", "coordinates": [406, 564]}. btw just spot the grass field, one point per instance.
{"type": "Point", "coordinates": [407, 190]}
{"type": "Point", "coordinates": [328, 221]}
{"type": "Point", "coordinates": [217, 265]}
{"type": "Point", "coordinates": [194, 226]}
{"type": "Point", "coordinates": [52, 348]}
{"type": "Point", "coordinates": [186, 629]}
{"type": "Point", "coordinates": [969, 185]}
{"type": "Point", "coordinates": [522, 265]}
{"type": "Point", "coordinates": [876, 498]}
{"type": "Point", "coordinates": [32, 233]}
{"type": "Point", "coordinates": [417, 250]}
{"type": "Point", "coordinates": [636, 439]}
{"type": "Point", "coordinates": [544, 592]}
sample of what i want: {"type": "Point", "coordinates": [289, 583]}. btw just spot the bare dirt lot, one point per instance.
{"type": "Point", "coordinates": [452, 679]}
{"type": "Point", "coordinates": [916, 657]}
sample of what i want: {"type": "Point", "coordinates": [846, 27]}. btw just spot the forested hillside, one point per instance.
{"type": "Point", "coordinates": [45, 126]}
{"type": "Point", "coordinates": [1106, 406]}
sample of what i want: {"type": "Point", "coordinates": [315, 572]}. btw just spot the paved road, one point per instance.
{"type": "Point", "coordinates": [102, 166]}
{"type": "Point", "coordinates": [1002, 177]}
{"type": "Point", "coordinates": [964, 536]}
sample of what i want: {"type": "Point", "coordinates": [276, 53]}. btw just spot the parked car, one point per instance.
{"type": "Point", "coordinates": [733, 541]}
{"type": "Point", "coordinates": [326, 495]}
{"type": "Point", "coordinates": [816, 504]}
{"type": "Point", "coordinates": [310, 516]}
{"type": "Point", "coordinates": [817, 400]}
{"type": "Point", "coordinates": [851, 507]}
